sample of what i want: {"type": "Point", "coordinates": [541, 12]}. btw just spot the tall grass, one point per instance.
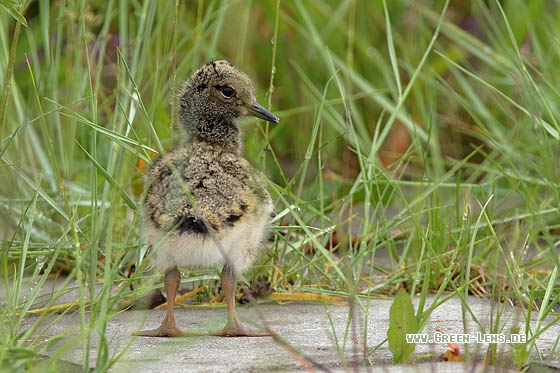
{"type": "Point", "coordinates": [423, 133]}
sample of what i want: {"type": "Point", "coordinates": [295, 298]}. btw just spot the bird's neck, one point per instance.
{"type": "Point", "coordinates": [224, 134]}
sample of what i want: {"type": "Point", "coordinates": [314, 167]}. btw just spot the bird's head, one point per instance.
{"type": "Point", "coordinates": [214, 97]}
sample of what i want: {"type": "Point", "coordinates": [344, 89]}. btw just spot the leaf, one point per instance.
{"type": "Point", "coordinates": [111, 180]}
{"type": "Point", "coordinates": [402, 321]}
{"type": "Point", "coordinates": [13, 8]}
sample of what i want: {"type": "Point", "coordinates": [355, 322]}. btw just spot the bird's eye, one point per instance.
{"type": "Point", "coordinates": [226, 91]}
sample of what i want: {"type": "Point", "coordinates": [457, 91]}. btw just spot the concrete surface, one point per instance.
{"type": "Point", "coordinates": [312, 336]}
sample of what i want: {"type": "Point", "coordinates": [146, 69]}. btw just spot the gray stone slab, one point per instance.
{"type": "Point", "coordinates": [309, 333]}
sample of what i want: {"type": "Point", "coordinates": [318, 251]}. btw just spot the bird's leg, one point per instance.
{"type": "Point", "coordinates": [233, 327]}
{"type": "Point", "coordinates": [168, 327]}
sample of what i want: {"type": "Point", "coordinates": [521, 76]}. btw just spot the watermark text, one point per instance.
{"type": "Point", "coordinates": [466, 338]}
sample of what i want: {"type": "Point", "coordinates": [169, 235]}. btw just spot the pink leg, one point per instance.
{"type": "Point", "coordinates": [168, 327]}
{"type": "Point", "coordinates": [233, 327]}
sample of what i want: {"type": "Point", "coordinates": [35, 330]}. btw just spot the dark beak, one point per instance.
{"type": "Point", "coordinates": [258, 111]}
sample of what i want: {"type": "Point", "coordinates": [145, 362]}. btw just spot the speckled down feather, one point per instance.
{"type": "Point", "coordinates": [206, 205]}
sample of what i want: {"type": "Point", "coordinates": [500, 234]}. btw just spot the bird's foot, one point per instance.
{"type": "Point", "coordinates": [168, 331]}
{"type": "Point", "coordinates": [239, 331]}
